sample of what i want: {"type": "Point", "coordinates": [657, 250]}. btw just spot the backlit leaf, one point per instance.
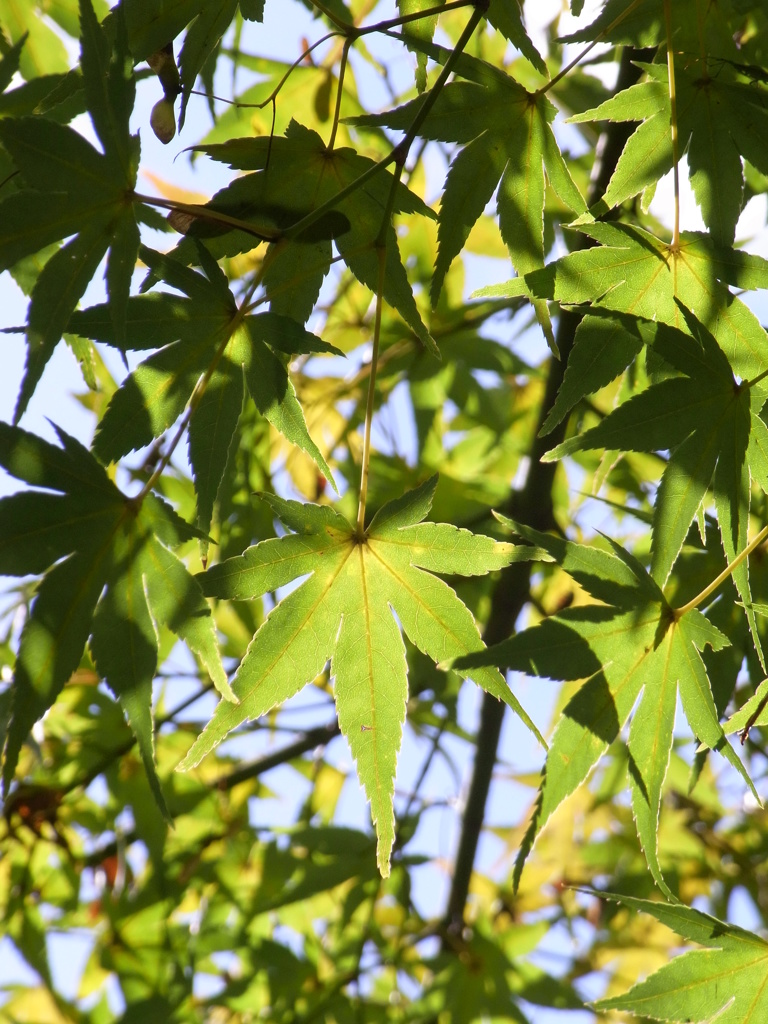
{"type": "Point", "coordinates": [73, 188]}
{"type": "Point", "coordinates": [508, 143]}
{"type": "Point", "coordinates": [295, 174]}
{"type": "Point", "coordinates": [630, 645]}
{"type": "Point", "coordinates": [344, 613]}
{"type": "Point", "coordinates": [723, 983]}
{"type": "Point", "coordinates": [209, 348]}
{"type": "Point", "coordinates": [706, 417]}
{"type": "Point", "coordinates": [105, 555]}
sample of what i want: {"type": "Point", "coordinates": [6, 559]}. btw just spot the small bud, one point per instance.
{"type": "Point", "coordinates": [163, 120]}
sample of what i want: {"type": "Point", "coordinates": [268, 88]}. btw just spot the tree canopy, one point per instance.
{"type": "Point", "coordinates": [340, 480]}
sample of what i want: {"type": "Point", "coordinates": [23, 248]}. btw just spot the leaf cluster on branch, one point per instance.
{"type": "Point", "coordinates": [331, 489]}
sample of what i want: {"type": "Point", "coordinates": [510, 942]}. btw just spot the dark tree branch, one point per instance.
{"type": "Point", "coordinates": [250, 770]}
{"type": "Point", "coordinates": [532, 504]}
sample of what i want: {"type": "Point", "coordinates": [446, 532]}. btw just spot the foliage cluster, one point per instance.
{"type": "Point", "coordinates": [242, 522]}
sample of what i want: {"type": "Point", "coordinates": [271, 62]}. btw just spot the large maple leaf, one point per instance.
{"type": "Point", "coordinates": [293, 177]}
{"type": "Point", "coordinates": [632, 271]}
{"type": "Point", "coordinates": [110, 575]}
{"type": "Point", "coordinates": [208, 351]}
{"type": "Point", "coordinates": [73, 189]}
{"type": "Point", "coordinates": [344, 613]}
{"type": "Point", "coordinates": [631, 643]}
{"type": "Point", "coordinates": [718, 119]}
{"type": "Point", "coordinates": [725, 982]}
{"type": "Point", "coordinates": [508, 143]}
{"type": "Point", "coordinates": [713, 425]}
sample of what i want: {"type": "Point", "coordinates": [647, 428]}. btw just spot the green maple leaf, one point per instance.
{"type": "Point", "coordinates": [713, 424]}
{"type": "Point", "coordinates": [200, 335]}
{"type": "Point", "coordinates": [719, 119]}
{"type": "Point", "coordinates": [603, 347]}
{"type": "Point", "coordinates": [344, 613]}
{"type": "Point", "coordinates": [110, 575]}
{"type": "Point", "coordinates": [695, 24]}
{"type": "Point", "coordinates": [507, 18]}
{"type": "Point", "coordinates": [632, 642]}
{"type": "Point", "coordinates": [507, 139]}
{"type": "Point", "coordinates": [292, 176]}
{"type": "Point", "coordinates": [422, 29]}
{"type": "Point", "coordinates": [202, 37]}
{"type": "Point", "coordinates": [633, 272]}
{"type": "Point", "coordinates": [723, 983]}
{"type": "Point", "coordinates": [154, 23]}
{"type": "Point", "coordinates": [9, 64]}
{"type": "Point", "coordinates": [73, 189]}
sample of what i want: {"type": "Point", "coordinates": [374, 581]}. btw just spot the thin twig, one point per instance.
{"type": "Point", "coordinates": [678, 613]}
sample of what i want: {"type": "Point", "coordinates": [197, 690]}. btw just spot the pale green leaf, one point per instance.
{"type": "Point", "coordinates": [344, 612]}
{"type": "Point", "coordinates": [176, 600]}
{"type": "Point", "coordinates": [633, 644]}
{"type": "Point", "coordinates": [636, 273]}
{"type": "Point", "coordinates": [650, 745]}
{"type": "Point", "coordinates": [724, 982]}
{"type": "Point", "coordinates": [371, 689]}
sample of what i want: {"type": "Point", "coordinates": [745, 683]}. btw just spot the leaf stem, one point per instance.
{"type": "Point", "coordinates": [673, 124]}
{"type": "Point", "coordinates": [405, 19]}
{"type": "Point", "coordinates": [352, 31]}
{"type": "Point", "coordinates": [366, 460]}
{"type": "Point", "coordinates": [678, 613]}
{"type": "Point", "coordinates": [756, 380]}
{"type": "Point", "coordinates": [273, 95]}
{"type": "Point", "coordinates": [339, 90]}
{"type": "Point", "coordinates": [399, 155]}
{"type": "Point", "coordinates": [381, 253]}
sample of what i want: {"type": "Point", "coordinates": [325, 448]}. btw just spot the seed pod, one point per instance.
{"type": "Point", "coordinates": [163, 120]}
